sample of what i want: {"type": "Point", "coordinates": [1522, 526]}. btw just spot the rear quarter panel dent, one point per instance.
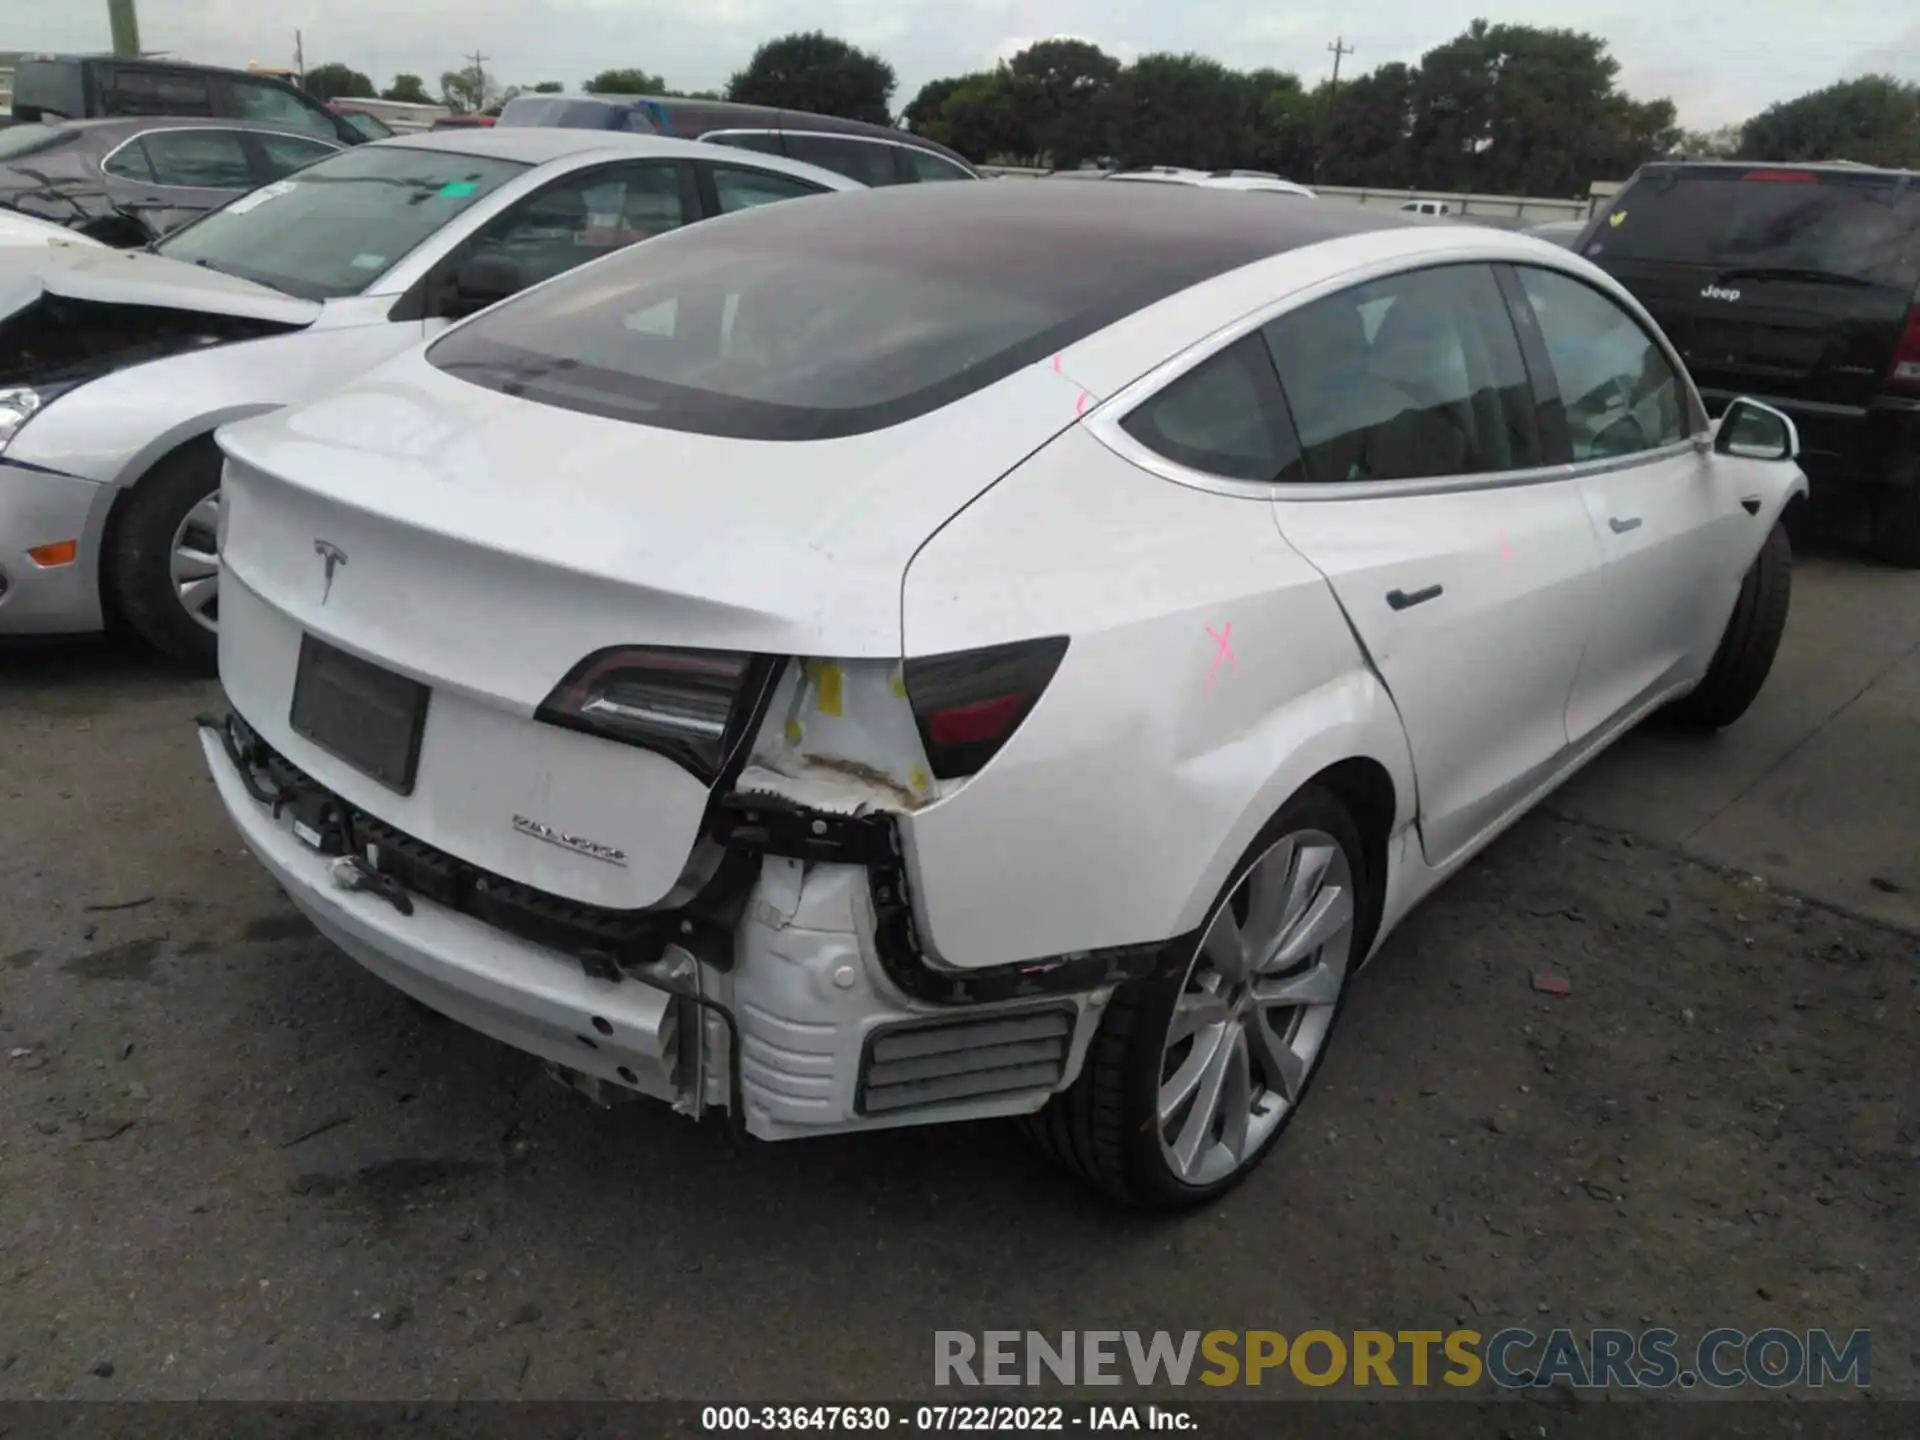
{"type": "Point", "coordinates": [1166, 740]}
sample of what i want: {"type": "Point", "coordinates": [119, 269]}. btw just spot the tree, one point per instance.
{"type": "Point", "coordinates": [924, 109]}
{"type": "Point", "coordinates": [980, 115]}
{"type": "Point", "coordinates": [549, 87]}
{"type": "Point", "coordinates": [818, 74]}
{"type": "Point", "coordinates": [335, 81]}
{"type": "Point", "coordinates": [1722, 143]}
{"type": "Point", "coordinates": [1518, 110]}
{"type": "Point", "coordinates": [1367, 129]}
{"type": "Point", "coordinates": [1179, 110]}
{"type": "Point", "coordinates": [1282, 125]}
{"type": "Point", "coordinates": [625, 82]}
{"type": "Point", "coordinates": [1064, 89]}
{"type": "Point", "coordinates": [410, 89]}
{"type": "Point", "coordinates": [469, 90]}
{"type": "Point", "coordinates": [1874, 120]}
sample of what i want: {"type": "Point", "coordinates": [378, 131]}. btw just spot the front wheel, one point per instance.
{"type": "Point", "coordinates": [1196, 1071]}
{"type": "Point", "coordinates": [1747, 646]}
{"type": "Point", "coordinates": [163, 566]}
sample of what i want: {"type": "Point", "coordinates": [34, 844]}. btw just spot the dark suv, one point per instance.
{"type": "Point", "coordinates": [1798, 285]}
{"type": "Point", "coordinates": [871, 154]}
{"type": "Point", "coordinates": [89, 87]}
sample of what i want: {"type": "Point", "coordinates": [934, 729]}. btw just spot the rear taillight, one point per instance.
{"type": "Point", "coordinates": [1906, 355]}
{"type": "Point", "coordinates": [969, 702]}
{"type": "Point", "coordinates": [681, 703]}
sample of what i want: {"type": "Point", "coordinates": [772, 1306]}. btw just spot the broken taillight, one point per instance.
{"type": "Point", "coordinates": [679, 703]}
{"type": "Point", "coordinates": [969, 702]}
{"type": "Point", "coordinates": [1905, 373]}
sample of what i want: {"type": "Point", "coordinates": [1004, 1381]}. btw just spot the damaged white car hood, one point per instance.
{"type": "Point", "coordinates": [138, 277]}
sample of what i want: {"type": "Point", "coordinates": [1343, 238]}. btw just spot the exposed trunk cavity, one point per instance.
{"type": "Point", "coordinates": [840, 738]}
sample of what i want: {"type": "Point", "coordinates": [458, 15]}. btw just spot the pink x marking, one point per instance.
{"type": "Point", "coordinates": [1223, 650]}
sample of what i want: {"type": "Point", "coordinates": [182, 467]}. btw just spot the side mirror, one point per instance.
{"type": "Point", "coordinates": [484, 280]}
{"type": "Point", "coordinates": [1752, 431]}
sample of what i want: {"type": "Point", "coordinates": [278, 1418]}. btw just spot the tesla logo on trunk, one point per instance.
{"type": "Point", "coordinates": [1714, 292]}
{"type": "Point", "coordinates": [333, 555]}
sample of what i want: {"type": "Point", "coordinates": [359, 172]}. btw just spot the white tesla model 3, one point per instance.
{"type": "Point", "coordinates": [972, 650]}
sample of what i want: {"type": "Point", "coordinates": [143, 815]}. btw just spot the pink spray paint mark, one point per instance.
{"type": "Point", "coordinates": [1056, 364]}
{"type": "Point", "coordinates": [1506, 548]}
{"type": "Point", "coordinates": [1223, 650]}
{"type": "Point", "coordinates": [1080, 405]}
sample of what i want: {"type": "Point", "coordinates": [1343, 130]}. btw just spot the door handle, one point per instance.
{"type": "Point", "coordinates": [1401, 600]}
{"type": "Point", "coordinates": [1621, 527]}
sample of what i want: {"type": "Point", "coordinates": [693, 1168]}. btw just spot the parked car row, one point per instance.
{"type": "Point", "coordinates": [119, 366]}
{"type": "Point", "coordinates": [128, 182]}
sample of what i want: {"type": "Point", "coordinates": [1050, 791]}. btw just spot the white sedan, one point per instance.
{"type": "Point", "coordinates": [18, 229]}
{"type": "Point", "coordinates": [117, 366]}
{"type": "Point", "coordinates": [973, 650]}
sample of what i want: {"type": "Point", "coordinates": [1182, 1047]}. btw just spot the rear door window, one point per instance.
{"type": "Point", "coordinates": [1864, 227]}
{"type": "Point", "coordinates": [129, 162]}
{"type": "Point", "coordinates": [129, 90]}
{"type": "Point", "coordinates": [868, 161]}
{"type": "Point", "coordinates": [198, 159]}
{"type": "Point", "coordinates": [1223, 417]}
{"type": "Point", "coordinates": [584, 216]}
{"type": "Point", "coordinates": [1411, 376]}
{"type": "Point", "coordinates": [737, 188]}
{"type": "Point", "coordinates": [284, 154]}
{"type": "Point", "coordinates": [924, 165]}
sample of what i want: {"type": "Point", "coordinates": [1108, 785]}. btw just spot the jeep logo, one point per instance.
{"type": "Point", "coordinates": [1714, 292]}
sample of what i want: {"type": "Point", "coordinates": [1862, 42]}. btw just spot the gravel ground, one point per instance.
{"type": "Point", "coordinates": [233, 1165]}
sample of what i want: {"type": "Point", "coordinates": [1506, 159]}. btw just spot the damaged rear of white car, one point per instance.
{"type": "Point", "coordinates": [749, 675]}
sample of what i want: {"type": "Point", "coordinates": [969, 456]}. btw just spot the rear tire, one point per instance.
{"type": "Point", "coordinates": [1749, 643]}
{"type": "Point", "coordinates": [1107, 1128]}
{"type": "Point", "coordinates": [143, 574]}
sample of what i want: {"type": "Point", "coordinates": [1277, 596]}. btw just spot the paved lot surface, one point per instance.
{"type": "Point", "coordinates": [234, 1165]}
{"type": "Point", "coordinates": [1818, 787]}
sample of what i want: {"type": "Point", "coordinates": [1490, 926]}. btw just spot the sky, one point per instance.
{"type": "Point", "coordinates": [1718, 60]}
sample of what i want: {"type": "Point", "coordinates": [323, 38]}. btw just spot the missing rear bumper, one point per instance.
{"type": "Point", "coordinates": [767, 825]}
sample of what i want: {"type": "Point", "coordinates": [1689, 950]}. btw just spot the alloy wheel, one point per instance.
{"type": "Point", "coordinates": [194, 562]}
{"type": "Point", "coordinates": [1256, 1006]}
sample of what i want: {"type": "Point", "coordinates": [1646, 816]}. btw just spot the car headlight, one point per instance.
{"type": "Point", "coordinates": [18, 404]}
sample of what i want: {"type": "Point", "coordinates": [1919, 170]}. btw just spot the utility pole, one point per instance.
{"type": "Point", "coordinates": [1339, 47]}
{"type": "Point", "coordinates": [300, 59]}
{"type": "Point", "coordinates": [479, 81]}
{"type": "Point", "coordinates": [124, 24]}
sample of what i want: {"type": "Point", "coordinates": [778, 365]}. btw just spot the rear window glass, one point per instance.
{"type": "Point", "coordinates": [19, 140]}
{"type": "Point", "coordinates": [568, 113]}
{"type": "Point", "coordinates": [154, 92]}
{"type": "Point", "coordinates": [1864, 228]}
{"type": "Point", "coordinates": [825, 317]}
